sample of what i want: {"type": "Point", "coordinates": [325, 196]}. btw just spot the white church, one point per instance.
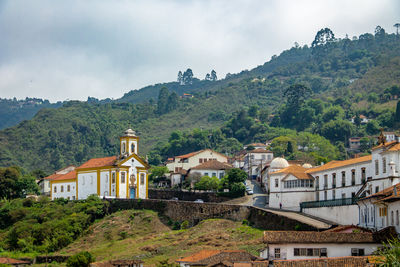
{"type": "Point", "coordinates": [122, 176]}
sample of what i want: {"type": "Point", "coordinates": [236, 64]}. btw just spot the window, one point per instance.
{"type": "Point", "coordinates": [55, 189]}
{"type": "Point", "coordinates": [276, 182]}
{"type": "Point", "coordinates": [323, 252]}
{"type": "Point", "coordinates": [357, 252]}
{"type": "Point", "coordinates": [325, 195]}
{"type": "Point", "coordinates": [106, 178]}
{"type": "Point", "coordinates": [316, 182]}
{"type": "Point", "coordinates": [206, 174]}
{"type": "Point", "coordinates": [333, 180]}
{"type": "Point", "coordinates": [308, 251]}
{"type": "Point", "coordinates": [214, 174]}
{"type": "Point", "coordinates": [325, 180]}
{"type": "Point", "coordinates": [333, 194]}
{"type": "Point", "coordinates": [122, 177]}
{"type": "Point", "coordinates": [200, 160]}
{"type": "Point", "coordinates": [73, 197]}
{"type": "Point", "coordinates": [376, 167]}
{"type": "Point", "coordinates": [263, 157]}
{"type": "Point", "coordinates": [68, 188]}
{"type": "Point", "coordinates": [343, 195]}
{"type": "Point", "coordinates": [132, 147]}
{"type": "Point", "coordinates": [376, 189]}
{"type": "Point", "coordinates": [123, 147]}
{"type": "Point", "coordinates": [363, 175]}
{"type": "Point", "coordinates": [384, 165]}
{"type": "Point", "coordinates": [113, 178]}
{"type": "Point", "coordinates": [277, 253]}
{"type": "Point", "coordinates": [142, 178]}
{"type": "Point", "coordinates": [392, 217]}
{"type": "Point", "coordinates": [353, 194]}
{"type": "Point", "coordinates": [62, 188]}
{"type": "Point", "coordinates": [353, 177]}
{"type": "Point", "coordinates": [221, 175]}
{"type": "Point", "coordinates": [343, 179]}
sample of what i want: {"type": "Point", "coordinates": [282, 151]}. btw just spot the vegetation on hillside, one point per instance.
{"type": "Point", "coordinates": [338, 79]}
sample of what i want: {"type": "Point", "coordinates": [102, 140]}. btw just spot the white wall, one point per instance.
{"type": "Point", "coordinates": [65, 194]}
{"type": "Point", "coordinates": [333, 250]}
{"type": "Point", "coordinates": [218, 173]}
{"type": "Point", "coordinates": [105, 183]}
{"type": "Point", "coordinates": [87, 184]}
{"type": "Point", "coordinates": [195, 160]}
{"type": "Point", "coordinates": [345, 215]}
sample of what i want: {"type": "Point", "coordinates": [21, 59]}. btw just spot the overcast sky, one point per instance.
{"type": "Point", "coordinates": [74, 49]}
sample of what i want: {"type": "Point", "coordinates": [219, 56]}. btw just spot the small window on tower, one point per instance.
{"type": "Point", "coordinates": [123, 147]}
{"type": "Point", "coordinates": [133, 148]}
{"type": "Point", "coordinates": [113, 178]}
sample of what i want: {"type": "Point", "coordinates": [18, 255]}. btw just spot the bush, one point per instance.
{"type": "Point", "coordinates": [245, 222]}
{"type": "Point", "coordinates": [123, 234]}
{"type": "Point", "coordinates": [81, 259]}
{"type": "Point", "coordinates": [185, 225]}
{"type": "Point", "coordinates": [176, 226]}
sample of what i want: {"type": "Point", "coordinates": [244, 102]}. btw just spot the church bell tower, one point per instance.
{"type": "Point", "coordinates": [129, 143]}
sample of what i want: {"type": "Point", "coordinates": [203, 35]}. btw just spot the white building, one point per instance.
{"type": "Point", "coordinates": [381, 209]}
{"type": "Point", "coordinates": [212, 168]}
{"type": "Point", "coordinates": [44, 183]}
{"type": "Point", "coordinates": [124, 176]}
{"type": "Point", "coordinates": [289, 245]}
{"type": "Point", "coordinates": [188, 161]}
{"type": "Point", "coordinates": [289, 187]}
{"type": "Point", "coordinates": [255, 160]}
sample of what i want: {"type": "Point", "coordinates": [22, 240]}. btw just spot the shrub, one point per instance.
{"type": "Point", "coordinates": [297, 227]}
{"type": "Point", "coordinates": [81, 259]}
{"type": "Point", "coordinates": [245, 222]}
{"type": "Point", "coordinates": [185, 225]}
{"type": "Point", "coordinates": [176, 226]}
{"type": "Point", "coordinates": [123, 234]}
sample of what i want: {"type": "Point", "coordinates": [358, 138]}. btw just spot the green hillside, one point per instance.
{"type": "Point", "coordinates": [342, 78]}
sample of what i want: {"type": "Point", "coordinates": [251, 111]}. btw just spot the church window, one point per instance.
{"type": "Point", "coordinates": [142, 178]}
{"type": "Point", "coordinates": [132, 147]}
{"type": "Point", "coordinates": [55, 189]}
{"type": "Point", "coordinates": [68, 188]}
{"type": "Point", "coordinates": [62, 188]}
{"type": "Point", "coordinates": [123, 147]}
{"type": "Point", "coordinates": [113, 178]}
{"type": "Point", "coordinates": [122, 177]}
{"type": "Point", "coordinates": [384, 165]}
{"type": "Point", "coordinates": [376, 167]}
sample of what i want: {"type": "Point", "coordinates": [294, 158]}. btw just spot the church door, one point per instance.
{"type": "Point", "coordinates": [132, 193]}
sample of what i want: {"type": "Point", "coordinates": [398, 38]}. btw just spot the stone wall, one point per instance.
{"type": "Point", "coordinates": [345, 215]}
{"type": "Point", "coordinates": [196, 212]}
{"type": "Point", "coordinates": [185, 195]}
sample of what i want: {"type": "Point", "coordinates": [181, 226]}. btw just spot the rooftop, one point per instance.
{"type": "Point", "coordinates": [208, 257]}
{"type": "Point", "coordinates": [337, 164]}
{"type": "Point", "coordinates": [354, 261]}
{"type": "Point", "coordinates": [388, 194]}
{"type": "Point", "coordinates": [213, 165]}
{"type": "Point", "coordinates": [278, 237]}
{"type": "Point", "coordinates": [67, 176]}
{"type": "Point", "coordinates": [98, 162]}
{"type": "Point", "coordinates": [259, 150]}
{"type": "Point", "coordinates": [297, 171]}
{"type": "Point", "coordinates": [4, 260]}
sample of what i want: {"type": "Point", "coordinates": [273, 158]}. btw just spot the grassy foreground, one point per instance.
{"type": "Point", "coordinates": [142, 234]}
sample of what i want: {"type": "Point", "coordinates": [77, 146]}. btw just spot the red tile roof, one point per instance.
{"type": "Point", "coordinates": [344, 228]}
{"type": "Point", "coordinates": [295, 170]}
{"type": "Point", "coordinates": [99, 162]}
{"type": "Point", "coordinates": [202, 254]}
{"type": "Point", "coordinates": [4, 260]}
{"type": "Point", "coordinates": [386, 194]}
{"type": "Point", "coordinates": [67, 176]}
{"type": "Point", "coordinates": [191, 154]}
{"type": "Point", "coordinates": [213, 165]}
{"type": "Point", "coordinates": [336, 164]}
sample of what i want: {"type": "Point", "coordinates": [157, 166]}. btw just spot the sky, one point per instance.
{"type": "Point", "coordinates": [70, 49]}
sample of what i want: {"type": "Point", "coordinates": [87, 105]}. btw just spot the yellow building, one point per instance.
{"type": "Point", "coordinates": [122, 176]}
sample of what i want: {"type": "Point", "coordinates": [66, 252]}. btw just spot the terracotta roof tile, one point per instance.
{"type": "Point", "coordinates": [277, 237]}
{"type": "Point", "coordinates": [98, 162]}
{"type": "Point", "coordinates": [387, 193]}
{"type": "Point", "coordinates": [387, 145]}
{"type": "Point", "coordinates": [295, 170]}
{"type": "Point", "coordinates": [67, 176]}
{"type": "Point", "coordinates": [354, 261]}
{"type": "Point", "coordinates": [213, 165]}
{"type": "Point", "coordinates": [191, 154]}
{"type": "Point", "coordinates": [337, 164]}
{"type": "Point", "coordinates": [4, 260]}
{"type": "Point", "coordinates": [343, 228]}
{"type": "Point", "coordinates": [203, 254]}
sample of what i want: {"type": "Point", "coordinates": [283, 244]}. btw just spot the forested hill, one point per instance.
{"type": "Point", "coordinates": [339, 78]}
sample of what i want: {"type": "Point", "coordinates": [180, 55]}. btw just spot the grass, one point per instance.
{"type": "Point", "coordinates": [149, 238]}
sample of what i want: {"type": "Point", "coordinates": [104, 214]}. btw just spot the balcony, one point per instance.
{"type": "Point", "coordinates": [328, 203]}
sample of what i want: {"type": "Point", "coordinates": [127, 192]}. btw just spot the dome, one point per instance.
{"type": "Point", "coordinates": [278, 163]}
{"type": "Point", "coordinates": [130, 132]}
{"type": "Point", "coordinates": [307, 165]}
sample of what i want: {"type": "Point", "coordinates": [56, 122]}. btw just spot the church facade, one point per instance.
{"type": "Point", "coordinates": [122, 176]}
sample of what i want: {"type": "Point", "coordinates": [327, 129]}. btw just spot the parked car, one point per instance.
{"type": "Point", "coordinates": [250, 192]}
{"type": "Point", "coordinates": [199, 201]}
{"type": "Point", "coordinates": [174, 198]}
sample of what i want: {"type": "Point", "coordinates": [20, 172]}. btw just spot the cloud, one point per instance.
{"type": "Point", "coordinates": [73, 49]}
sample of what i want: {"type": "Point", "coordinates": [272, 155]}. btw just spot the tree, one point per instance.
{"type": "Point", "coordinates": [339, 130]}
{"type": "Point", "coordinates": [173, 101]}
{"type": "Point", "coordinates": [157, 172]}
{"type": "Point", "coordinates": [180, 78]}
{"type": "Point", "coordinates": [208, 77]}
{"type": "Point", "coordinates": [207, 183]}
{"type": "Point", "coordinates": [81, 259]}
{"type": "Point", "coordinates": [397, 26]}
{"type": "Point", "coordinates": [162, 104]}
{"type": "Point", "coordinates": [323, 37]}
{"type": "Point", "coordinates": [296, 95]}
{"type": "Point", "coordinates": [379, 32]}
{"type": "Point", "coordinates": [236, 176]}
{"type": "Point", "coordinates": [213, 75]}
{"type": "Point", "coordinates": [397, 114]}
{"type": "Point", "coordinates": [372, 127]}
{"type": "Point", "coordinates": [188, 77]}
{"type": "Point", "coordinates": [390, 253]}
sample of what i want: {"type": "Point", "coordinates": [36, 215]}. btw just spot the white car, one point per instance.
{"type": "Point", "coordinates": [199, 201]}
{"type": "Point", "coordinates": [250, 192]}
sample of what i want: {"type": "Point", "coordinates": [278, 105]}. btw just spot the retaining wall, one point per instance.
{"type": "Point", "coordinates": [344, 215]}
{"type": "Point", "coordinates": [185, 195]}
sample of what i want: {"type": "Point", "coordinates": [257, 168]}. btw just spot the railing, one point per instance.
{"type": "Point", "coordinates": [329, 203]}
